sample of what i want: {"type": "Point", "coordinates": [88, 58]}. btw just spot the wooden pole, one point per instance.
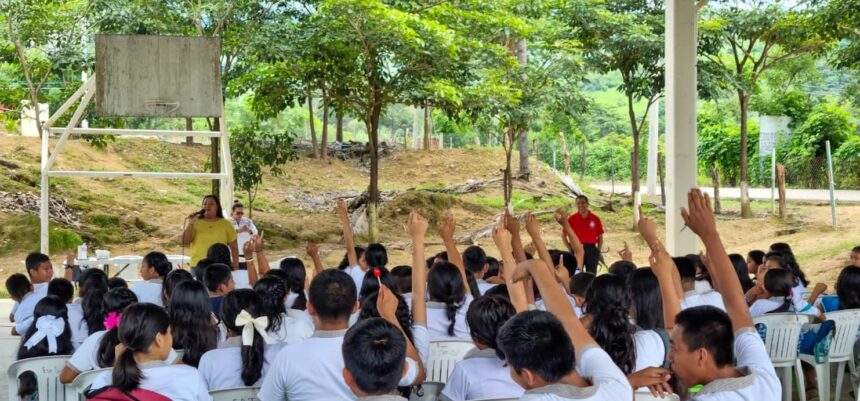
{"type": "Point", "coordinates": [780, 177]}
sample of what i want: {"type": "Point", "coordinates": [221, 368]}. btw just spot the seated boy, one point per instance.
{"type": "Point", "coordinates": [692, 297]}
{"type": "Point", "coordinates": [41, 271]}
{"type": "Point", "coordinates": [374, 356]}
{"type": "Point", "coordinates": [18, 286]}
{"type": "Point", "coordinates": [218, 279]}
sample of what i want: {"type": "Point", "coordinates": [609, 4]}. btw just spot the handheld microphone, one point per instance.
{"type": "Point", "coordinates": [201, 213]}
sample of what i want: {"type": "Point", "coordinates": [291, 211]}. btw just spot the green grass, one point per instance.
{"type": "Point", "coordinates": [21, 231]}
{"type": "Point", "coordinates": [524, 201]}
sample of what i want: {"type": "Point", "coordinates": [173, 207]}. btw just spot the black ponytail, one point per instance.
{"type": "Point", "coordinates": [445, 284]}
{"type": "Point", "coordinates": [93, 286]}
{"type": "Point", "coordinates": [608, 304]}
{"type": "Point", "coordinates": [404, 317]}
{"type": "Point", "coordinates": [116, 300]}
{"type": "Point", "coordinates": [294, 277]}
{"type": "Point", "coordinates": [271, 291]}
{"type": "Point", "coordinates": [253, 355]}
{"type": "Point", "coordinates": [140, 325]}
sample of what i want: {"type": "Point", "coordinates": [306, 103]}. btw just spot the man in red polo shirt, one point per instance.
{"type": "Point", "coordinates": [589, 230]}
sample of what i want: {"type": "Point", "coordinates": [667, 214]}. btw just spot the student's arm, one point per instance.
{"type": "Point", "coordinates": [68, 375]}
{"type": "Point", "coordinates": [556, 302]}
{"type": "Point", "coordinates": [234, 250]}
{"type": "Point", "coordinates": [446, 231]}
{"type": "Point", "coordinates": [699, 217]}
{"type": "Point", "coordinates": [251, 262]}
{"type": "Point", "coordinates": [662, 266]}
{"type": "Point", "coordinates": [502, 238]}
{"type": "Point", "coordinates": [313, 251]}
{"type": "Point", "coordinates": [343, 214]}
{"type": "Point", "coordinates": [386, 304]}
{"type": "Point", "coordinates": [417, 227]}
{"type": "Point", "coordinates": [533, 228]}
{"type": "Point", "coordinates": [570, 239]}
{"type": "Point", "coordinates": [67, 270]}
{"type": "Point", "coordinates": [262, 260]}
{"type": "Point", "coordinates": [513, 227]}
{"type": "Point", "coordinates": [816, 292]}
{"type": "Point", "coordinates": [188, 233]}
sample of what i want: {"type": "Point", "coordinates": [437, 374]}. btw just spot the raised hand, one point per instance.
{"type": "Point", "coordinates": [386, 304]}
{"type": "Point", "coordinates": [502, 237]}
{"type": "Point", "coordinates": [258, 241]}
{"type": "Point", "coordinates": [248, 248]}
{"type": "Point", "coordinates": [648, 229]}
{"type": "Point", "coordinates": [312, 249]}
{"type": "Point", "coordinates": [446, 225]}
{"type": "Point", "coordinates": [511, 223]}
{"type": "Point", "coordinates": [560, 216]}
{"type": "Point", "coordinates": [698, 215]}
{"type": "Point", "coordinates": [342, 210]}
{"type": "Point", "coordinates": [530, 249]}
{"type": "Point", "coordinates": [532, 225]}
{"type": "Point", "coordinates": [416, 225]}
{"type": "Point", "coordinates": [625, 253]}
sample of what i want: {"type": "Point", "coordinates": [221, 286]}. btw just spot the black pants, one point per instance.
{"type": "Point", "coordinates": [592, 257]}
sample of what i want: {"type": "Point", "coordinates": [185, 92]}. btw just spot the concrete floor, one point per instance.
{"type": "Point", "coordinates": [8, 344]}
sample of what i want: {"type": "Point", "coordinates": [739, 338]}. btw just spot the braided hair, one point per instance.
{"type": "Point", "coordinates": [272, 292]}
{"type": "Point", "coordinates": [445, 284]}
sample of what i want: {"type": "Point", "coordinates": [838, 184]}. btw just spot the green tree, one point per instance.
{"type": "Point", "coordinates": [758, 36]}
{"type": "Point", "coordinates": [254, 150]}
{"type": "Point", "coordinates": [804, 152]}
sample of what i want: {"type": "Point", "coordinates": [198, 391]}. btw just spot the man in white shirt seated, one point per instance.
{"type": "Point", "coordinates": [693, 297]}
{"type": "Point", "coordinates": [313, 369]}
{"type": "Point", "coordinates": [539, 349]}
{"type": "Point", "coordinates": [41, 271]}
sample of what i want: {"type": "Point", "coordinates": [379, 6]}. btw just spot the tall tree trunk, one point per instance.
{"type": "Point", "coordinates": [582, 162]}
{"type": "Point", "coordinates": [566, 154]}
{"type": "Point", "coordinates": [507, 181]}
{"type": "Point", "coordinates": [427, 127]}
{"type": "Point", "coordinates": [715, 174]}
{"type": "Point", "coordinates": [25, 68]}
{"type": "Point", "coordinates": [339, 127]}
{"type": "Point", "coordinates": [324, 138]}
{"type": "Point", "coordinates": [373, 195]}
{"type": "Point", "coordinates": [215, 156]}
{"type": "Point", "coordinates": [522, 57]}
{"type": "Point", "coordinates": [189, 126]}
{"type": "Point", "coordinates": [634, 161]}
{"type": "Point", "coordinates": [311, 124]}
{"type": "Point", "coordinates": [746, 210]}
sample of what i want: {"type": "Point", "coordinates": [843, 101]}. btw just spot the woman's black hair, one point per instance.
{"type": "Point", "coordinates": [444, 284]}
{"type": "Point", "coordinates": [500, 290]}
{"type": "Point", "coordinates": [369, 284]}
{"type": "Point", "coordinates": [62, 289]}
{"type": "Point", "coordinates": [236, 205]}
{"type": "Point", "coordinates": [741, 269]}
{"type": "Point", "coordinates": [93, 285]}
{"type": "Point", "coordinates": [486, 316]}
{"type": "Point", "coordinates": [295, 277]}
{"type": "Point", "coordinates": [757, 256]}
{"type": "Point", "coordinates": [701, 271]}
{"type": "Point", "coordinates": [376, 256]}
{"type": "Point", "coordinates": [140, 325]}
{"type": "Point", "coordinates": [116, 300]}
{"type": "Point", "coordinates": [569, 260]}
{"type": "Point", "coordinates": [218, 212]}
{"type": "Point", "coordinates": [159, 262]}
{"type": "Point", "coordinates": [117, 282]}
{"type": "Point", "coordinates": [219, 253]}
{"type": "Point", "coordinates": [171, 281]}
{"type": "Point", "coordinates": [344, 263]}
{"type": "Point", "coordinates": [647, 302]}
{"type": "Point", "coordinates": [272, 291]}
{"type": "Point", "coordinates": [608, 304]}
{"type": "Point", "coordinates": [790, 261]}
{"type": "Point", "coordinates": [252, 355]}
{"type": "Point", "coordinates": [404, 317]}
{"type": "Point", "coordinates": [493, 271]}
{"type": "Point", "coordinates": [190, 311]}
{"type": "Point", "coordinates": [48, 306]}
{"type": "Point", "coordinates": [778, 283]}
{"type": "Point", "coordinates": [580, 283]}
{"type": "Point", "coordinates": [848, 287]}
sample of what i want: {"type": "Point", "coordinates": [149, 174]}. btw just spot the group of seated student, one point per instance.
{"type": "Point", "coordinates": [542, 328]}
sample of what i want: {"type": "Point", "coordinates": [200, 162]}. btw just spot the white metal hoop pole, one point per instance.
{"type": "Point", "coordinates": [226, 167]}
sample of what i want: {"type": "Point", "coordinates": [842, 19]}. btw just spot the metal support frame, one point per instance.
{"type": "Point", "coordinates": [85, 94]}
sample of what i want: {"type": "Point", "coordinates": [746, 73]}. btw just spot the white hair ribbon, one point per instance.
{"type": "Point", "coordinates": [49, 327]}
{"type": "Point", "coordinates": [249, 324]}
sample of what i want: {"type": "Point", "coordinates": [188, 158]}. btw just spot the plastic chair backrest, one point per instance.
{"type": "Point", "coordinates": [783, 334]}
{"type": "Point", "coordinates": [499, 399]}
{"type": "Point", "coordinates": [75, 389]}
{"type": "Point", "coordinates": [235, 394]}
{"type": "Point", "coordinates": [642, 396]}
{"type": "Point", "coordinates": [845, 333]}
{"type": "Point", "coordinates": [47, 370]}
{"type": "Point", "coordinates": [443, 355]}
{"type": "Point", "coordinates": [429, 391]}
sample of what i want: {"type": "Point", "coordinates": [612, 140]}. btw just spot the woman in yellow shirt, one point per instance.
{"type": "Point", "coordinates": [211, 228]}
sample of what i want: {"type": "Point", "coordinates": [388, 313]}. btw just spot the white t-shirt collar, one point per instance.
{"type": "Point", "coordinates": [565, 391]}
{"type": "Point", "coordinates": [329, 333]}
{"type": "Point", "coordinates": [731, 383]}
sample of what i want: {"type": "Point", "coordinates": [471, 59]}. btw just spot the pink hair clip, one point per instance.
{"type": "Point", "coordinates": [112, 320]}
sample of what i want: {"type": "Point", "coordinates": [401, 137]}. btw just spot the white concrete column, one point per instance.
{"type": "Point", "coordinates": [680, 121]}
{"type": "Point", "coordinates": [653, 143]}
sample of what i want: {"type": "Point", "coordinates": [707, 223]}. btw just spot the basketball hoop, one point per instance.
{"type": "Point", "coordinates": [161, 107]}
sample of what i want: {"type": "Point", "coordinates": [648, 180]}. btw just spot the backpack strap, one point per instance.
{"type": "Point", "coordinates": [667, 343]}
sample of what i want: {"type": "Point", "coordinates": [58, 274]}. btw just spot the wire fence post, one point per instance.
{"type": "Point", "coordinates": [772, 180]}
{"type": "Point", "coordinates": [832, 191]}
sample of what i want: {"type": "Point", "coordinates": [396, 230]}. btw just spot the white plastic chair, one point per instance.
{"type": "Point", "coordinates": [75, 390]}
{"type": "Point", "coordinates": [647, 396]}
{"type": "Point", "coordinates": [47, 370]}
{"type": "Point", "coordinates": [443, 355]}
{"type": "Point", "coordinates": [841, 351]}
{"type": "Point", "coordinates": [235, 394]}
{"type": "Point", "coordinates": [783, 334]}
{"type": "Point", "coordinates": [498, 399]}
{"type": "Point", "coordinates": [430, 391]}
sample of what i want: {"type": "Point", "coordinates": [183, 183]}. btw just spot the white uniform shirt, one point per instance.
{"type": "Point", "coordinates": [421, 341]}
{"type": "Point", "coordinates": [177, 382]}
{"type": "Point", "coordinates": [437, 321]}
{"type": "Point", "coordinates": [484, 286]}
{"type": "Point", "coordinates": [609, 383]}
{"type": "Point", "coordinates": [86, 356]}
{"type": "Point", "coordinates": [242, 238]}
{"type": "Point", "coordinates": [759, 380]}
{"type": "Point", "coordinates": [650, 350]}
{"type": "Point", "coordinates": [240, 277]}
{"type": "Point", "coordinates": [293, 329]}
{"type": "Point", "coordinates": [148, 291]}
{"type": "Point", "coordinates": [480, 375]}
{"type": "Point", "coordinates": [80, 330]}
{"type": "Point", "coordinates": [708, 297]}
{"type": "Point", "coordinates": [799, 303]}
{"type": "Point", "coordinates": [357, 277]}
{"type": "Point", "coordinates": [24, 312]}
{"type": "Point", "coordinates": [539, 305]}
{"type": "Point", "coordinates": [222, 367]}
